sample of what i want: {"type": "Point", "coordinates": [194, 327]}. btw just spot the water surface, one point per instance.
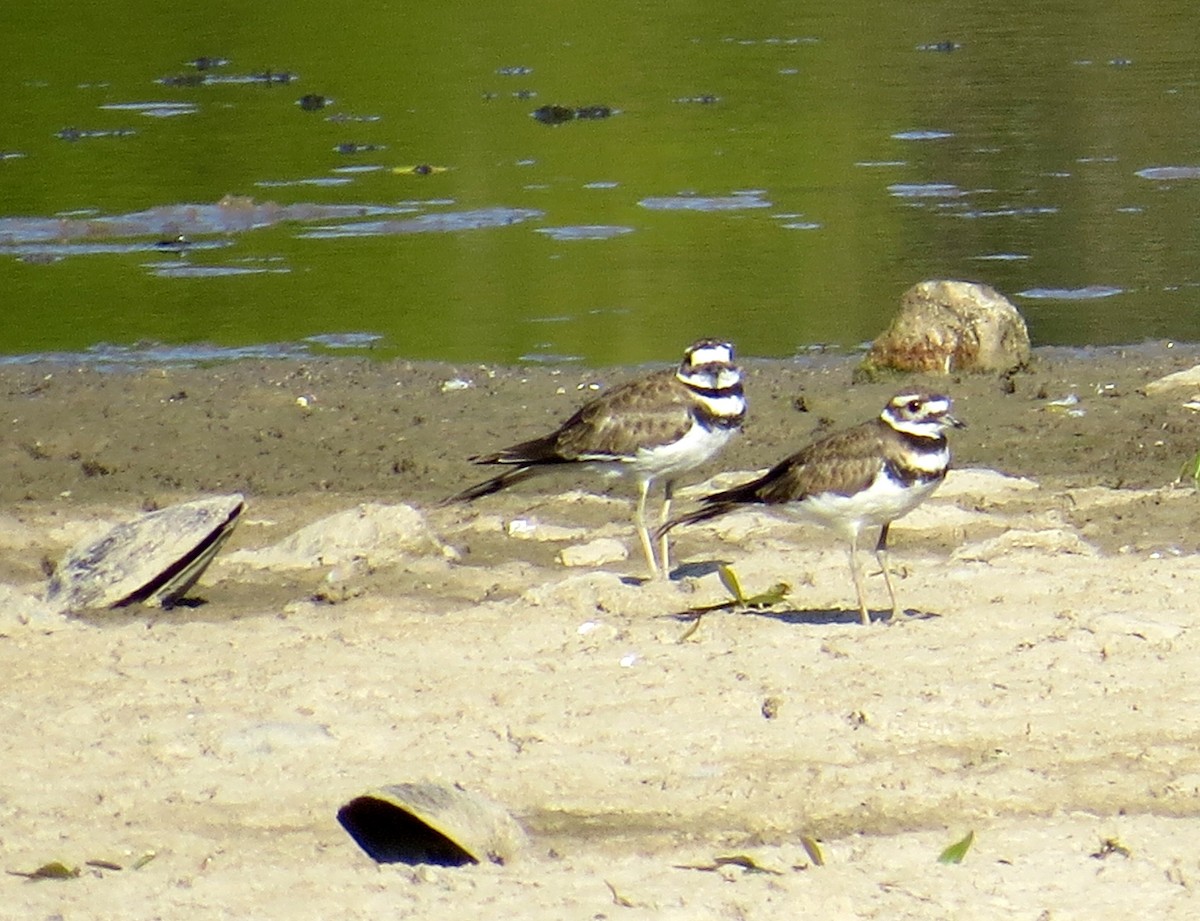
{"type": "Point", "coordinates": [374, 179]}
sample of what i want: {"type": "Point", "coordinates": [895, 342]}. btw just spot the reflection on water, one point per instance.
{"type": "Point", "coordinates": [598, 182]}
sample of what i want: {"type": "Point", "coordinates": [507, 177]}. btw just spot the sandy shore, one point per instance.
{"type": "Point", "coordinates": [1040, 694]}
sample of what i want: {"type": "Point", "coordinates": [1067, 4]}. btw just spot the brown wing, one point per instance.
{"type": "Point", "coordinates": [642, 413]}
{"type": "Point", "coordinates": [844, 463]}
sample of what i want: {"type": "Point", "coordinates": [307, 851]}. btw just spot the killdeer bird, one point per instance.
{"type": "Point", "coordinates": [652, 428]}
{"type": "Point", "coordinates": [864, 477]}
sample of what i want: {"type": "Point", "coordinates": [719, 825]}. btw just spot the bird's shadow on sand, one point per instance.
{"type": "Point", "coordinates": [780, 612]}
{"type": "Point", "coordinates": [683, 571]}
{"type": "Point", "coordinates": [827, 618]}
{"type": "Point", "coordinates": [812, 618]}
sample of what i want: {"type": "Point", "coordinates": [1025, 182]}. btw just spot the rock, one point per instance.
{"type": "Point", "coordinates": [1047, 542]}
{"type": "Point", "coordinates": [1152, 629]}
{"type": "Point", "coordinates": [1188, 379]}
{"type": "Point", "coordinates": [379, 533]}
{"type": "Point", "coordinates": [23, 609]}
{"type": "Point", "coordinates": [594, 553]}
{"type": "Point", "coordinates": [979, 484]}
{"type": "Point", "coordinates": [600, 591]}
{"type": "Point", "coordinates": [275, 738]}
{"type": "Point", "coordinates": [948, 326]}
{"type": "Point", "coordinates": [532, 529]}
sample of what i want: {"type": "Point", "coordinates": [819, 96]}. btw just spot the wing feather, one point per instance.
{"type": "Point", "coordinates": [645, 413]}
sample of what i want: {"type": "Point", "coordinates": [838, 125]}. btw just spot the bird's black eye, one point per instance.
{"type": "Point", "coordinates": [913, 405]}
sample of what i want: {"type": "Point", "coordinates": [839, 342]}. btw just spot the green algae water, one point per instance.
{"type": "Point", "coordinates": [598, 182]}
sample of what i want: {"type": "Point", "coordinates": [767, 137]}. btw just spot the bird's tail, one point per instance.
{"type": "Point", "coordinates": [495, 484]}
{"type": "Point", "coordinates": [717, 503]}
{"type": "Point", "coordinates": [709, 510]}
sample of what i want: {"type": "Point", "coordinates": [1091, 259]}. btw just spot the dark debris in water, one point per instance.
{"type": "Point", "coordinates": [313, 102]}
{"type": "Point", "coordinates": [594, 112]}
{"type": "Point", "coordinates": [418, 169]}
{"type": "Point", "coordinates": [557, 115]}
{"type": "Point", "coordinates": [197, 79]}
{"type": "Point", "coordinates": [349, 147]}
{"type": "Point", "coordinates": [207, 63]}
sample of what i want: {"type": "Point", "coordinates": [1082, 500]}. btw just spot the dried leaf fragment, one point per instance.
{"type": "Point", "coordinates": [958, 850]}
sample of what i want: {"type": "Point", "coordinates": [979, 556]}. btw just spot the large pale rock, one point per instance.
{"type": "Point", "coordinates": [1188, 380]}
{"type": "Point", "coordinates": [380, 533]}
{"type": "Point", "coordinates": [948, 326]}
{"type": "Point", "coordinates": [1044, 542]}
{"type": "Point", "coordinates": [19, 608]}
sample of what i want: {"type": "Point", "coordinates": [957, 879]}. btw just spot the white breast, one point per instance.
{"type": "Point", "coordinates": [692, 450]}
{"type": "Point", "coordinates": [883, 501]}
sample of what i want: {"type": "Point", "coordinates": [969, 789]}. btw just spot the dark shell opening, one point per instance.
{"type": "Point", "coordinates": [389, 834]}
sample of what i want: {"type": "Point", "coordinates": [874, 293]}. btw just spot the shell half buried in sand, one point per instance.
{"type": "Point", "coordinates": [431, 823]}
{"type": "Point", "coordinates": [154, 559]}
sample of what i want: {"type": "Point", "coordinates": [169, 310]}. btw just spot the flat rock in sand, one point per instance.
{"type": "Point", "coordinates": [379, 533]}
{"type": "Point", "coordinates": [594, 553]}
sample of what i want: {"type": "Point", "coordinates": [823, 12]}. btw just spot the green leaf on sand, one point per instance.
{"type": "Point", "coordinates": [56, 869]}
{"type": "Point", "coordinates": [730, 580]}
{"type": "Point", "coordinates": [958, 850]}
{"type": "Point", "coordinates": [813, 850]}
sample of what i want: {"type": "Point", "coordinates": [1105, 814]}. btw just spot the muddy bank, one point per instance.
{"type": "Point", "coordinates": [402, 430]}
{"type": "Point", "coordinates": [1039, 693]}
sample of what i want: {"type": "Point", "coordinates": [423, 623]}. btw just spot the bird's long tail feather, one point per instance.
{"type": "Point", "coordinates": [495, 484]}
{"type": "Point", "coordinates": [704, 513]}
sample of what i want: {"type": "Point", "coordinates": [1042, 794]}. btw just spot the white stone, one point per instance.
{"type": "Point", "coordinates": [594, 553]}
{"type": "Point", "coordinates": [532, 529]}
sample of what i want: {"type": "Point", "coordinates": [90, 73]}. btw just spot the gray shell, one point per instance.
{"type": "Point", "coordinates": [153, 559]}
{"type": "Point", "coordinates": [431, 823]}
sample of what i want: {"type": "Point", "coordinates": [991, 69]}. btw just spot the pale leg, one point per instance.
{"type": "Point", "coordinates": [643, 532]}
{"type": "Point", "coordinates": [859, 588]}
{"type": "Point", "coordinates": [664, 547]}
{"type": "Point", "coordinates": [882, 557]}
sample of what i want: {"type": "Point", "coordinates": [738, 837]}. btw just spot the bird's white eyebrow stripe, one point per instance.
{"type": "Point", "coordinates": [711, 354]}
